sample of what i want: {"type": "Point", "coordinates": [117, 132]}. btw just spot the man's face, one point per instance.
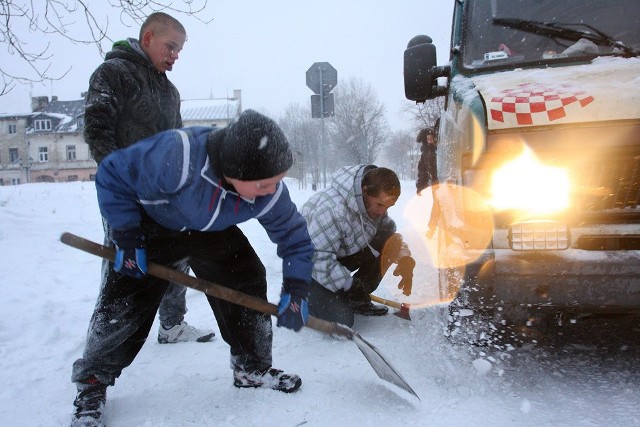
{"type": "Point", "coordinates": [163, 49]}
{"type": "Point", "coordinates": [377, 206]}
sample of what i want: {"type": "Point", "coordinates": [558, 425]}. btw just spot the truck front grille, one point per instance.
{"type": "Point", "coordinates": [609, 184]}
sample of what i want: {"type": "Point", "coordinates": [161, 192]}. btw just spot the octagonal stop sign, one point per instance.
{"type": "Point", "coordinates": [322, 75]}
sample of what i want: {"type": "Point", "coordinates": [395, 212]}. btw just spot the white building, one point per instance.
{"type": "Point", "coordinates": [47, 145]}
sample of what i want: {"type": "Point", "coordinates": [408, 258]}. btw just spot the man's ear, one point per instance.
{"type": "Point", "coordinates": [146, 39]}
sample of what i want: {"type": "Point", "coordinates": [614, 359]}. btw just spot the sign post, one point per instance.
{"type": "Point", "coordinates": [321, 79]}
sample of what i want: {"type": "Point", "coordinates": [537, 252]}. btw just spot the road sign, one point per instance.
{"type": "Point", "coordinates": [327, 106]}
{"type": "Point", "coordinates": [322, 75]}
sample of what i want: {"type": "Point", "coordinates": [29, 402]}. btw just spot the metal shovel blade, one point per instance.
{"type": "Point", "coordinates": [381, 366]}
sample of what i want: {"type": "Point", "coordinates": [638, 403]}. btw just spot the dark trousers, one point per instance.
{"type": "Point", "coordinates": [173, 305]}
{"type": "Point", "coordinates": [126, 307]}
{"type": "Point", "coordinates": [369, 269]}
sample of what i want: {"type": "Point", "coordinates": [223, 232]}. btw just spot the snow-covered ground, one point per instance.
{"type": "Point", "coordinates": [48, 291]}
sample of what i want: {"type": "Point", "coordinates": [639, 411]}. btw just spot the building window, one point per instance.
{"type": "Point", "coordinates": [71, 152]}
{"type": "Point", "coordinates": [43, 154]}
{"type": "Point", "coordinates": [72, 178]}
{"type": "Point", "coordinates": [92, 177]}
{"type": "Point", "coordinates": [42, 124]}
{"type": "Point", "coordinates": [15, 181]}
{"type": "Point", "coordinates": [80, 122]}
{"type": "Point", "coordinates": [13, 155]}
{"type": "Point", "coordinates": [12, 129]}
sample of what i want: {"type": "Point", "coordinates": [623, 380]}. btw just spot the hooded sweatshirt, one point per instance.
{"type": "Point", "coordinates": [128, 100]}
{"type": "Point", "coordinates": [339, 225]}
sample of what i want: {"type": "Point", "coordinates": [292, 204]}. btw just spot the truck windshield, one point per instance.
{"type": "Point", "coordinates": [514, 33]}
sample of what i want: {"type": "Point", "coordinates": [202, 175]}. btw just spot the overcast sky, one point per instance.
{"type": "Point", "coordinates": [264, 48]}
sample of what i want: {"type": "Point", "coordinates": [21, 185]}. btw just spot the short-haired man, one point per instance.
{"type": "Point", "coordinates": [352, 232]}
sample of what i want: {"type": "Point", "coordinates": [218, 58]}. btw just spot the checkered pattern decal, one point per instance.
{"type": "Point", "coordinates": [533, 103]}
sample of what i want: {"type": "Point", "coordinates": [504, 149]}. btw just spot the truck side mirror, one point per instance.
{"type": "Point", "coordinates": [419, 60]}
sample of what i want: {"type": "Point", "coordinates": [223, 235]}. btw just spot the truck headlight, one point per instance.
{"type": "Point", "coordinates": [526, 184]}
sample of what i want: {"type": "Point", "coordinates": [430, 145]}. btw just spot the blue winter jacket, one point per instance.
{"type": "Point", "coordinates": [169, 175]}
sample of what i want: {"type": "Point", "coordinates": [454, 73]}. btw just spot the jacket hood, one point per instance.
{"type": "Point", "coordinates": [129, 50]}
{"type": "Point", "coordinates": [347, 181]}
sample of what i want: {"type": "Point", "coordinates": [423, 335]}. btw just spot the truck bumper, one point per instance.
{"type": "Point", "coordinates": [594, 281]}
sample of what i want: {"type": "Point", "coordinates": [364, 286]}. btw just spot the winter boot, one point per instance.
{"type": "Point", "coordinates": [268, 378]}
{"type": "Point", "coordinates": [89, 404]}
{"type": "Point", "coordinates": [367, 308]}
{"type": "Point", "coordinates": [183, 333]}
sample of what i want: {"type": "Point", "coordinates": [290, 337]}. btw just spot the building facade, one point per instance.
{"type": "Point", "coordinates": [46, 145]}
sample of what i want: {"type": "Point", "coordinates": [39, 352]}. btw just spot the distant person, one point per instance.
{"type": "Point", "coordinates": [179, 195]}
{"type": "Point", "coordinates": [428, 173]}
{"type": "Point", "coordinates": [352, 232]}
{"type": "Point", "coordinates": [130, 98]}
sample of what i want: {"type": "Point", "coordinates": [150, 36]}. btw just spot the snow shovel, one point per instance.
{"type": "Point", "coordinates": [379, 364]}
{"type": "Point", "coordinates": [403, 309]}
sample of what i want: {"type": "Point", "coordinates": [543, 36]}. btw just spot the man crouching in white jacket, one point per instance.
{"type": "Point", "coordinates": [352, 232]}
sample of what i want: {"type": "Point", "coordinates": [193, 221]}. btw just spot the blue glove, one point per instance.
{"type": "Point", "coordinates": [293, 310]}
{"type": "Point", "coordinates": [131, 256]}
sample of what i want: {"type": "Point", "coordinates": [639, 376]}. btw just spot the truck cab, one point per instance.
{"type": "Point", "coordinates": [538, 157]}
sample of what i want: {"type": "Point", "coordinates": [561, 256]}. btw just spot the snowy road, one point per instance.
{"type": "Point", "coordinates": [589, 376]}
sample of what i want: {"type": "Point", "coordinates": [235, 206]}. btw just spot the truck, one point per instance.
{"type": "Point", "coordinates": [538, 161]}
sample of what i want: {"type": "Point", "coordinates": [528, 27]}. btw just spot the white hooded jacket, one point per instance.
{"type": "Point", "coordinates": [339, 226]}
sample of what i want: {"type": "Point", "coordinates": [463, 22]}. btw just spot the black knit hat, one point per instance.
{"type": "Point", "coordinates": [254, 148]}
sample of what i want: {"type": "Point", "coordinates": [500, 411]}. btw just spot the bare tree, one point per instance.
{"type": "Point", "coordinates": [303, 133]}
{"type": "Point", "coordinates": [402, 152]}
{"type": "Point", "coordinates": [424, 114]}
{"type": "Point", "coordinates": [359, 128]}
{"type": "Point", "coordinates": [23, 21]}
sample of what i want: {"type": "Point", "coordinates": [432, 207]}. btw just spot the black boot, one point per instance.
{"type": "Point", "coordinates": [89, 403]}
{"type": "Point", "coordinates": [367, 308]}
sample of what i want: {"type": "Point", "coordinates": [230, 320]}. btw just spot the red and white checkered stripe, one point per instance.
{"type": "Point", "coordinates": [533, 103]}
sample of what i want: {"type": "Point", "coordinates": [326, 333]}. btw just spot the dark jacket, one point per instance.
{"type": "Point", "coordinates": [169, 177]}
{"type": "Point", "coordinates": [427, 167]}
{"type": "Point", "coordinates": [128, 100]}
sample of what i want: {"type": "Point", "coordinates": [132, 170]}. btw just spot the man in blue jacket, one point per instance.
{"type": "Point", "coordinates": [180, 195]}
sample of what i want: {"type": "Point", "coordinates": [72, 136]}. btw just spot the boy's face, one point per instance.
{"type": "Point", "coordinates": [252, 189]}
{"type": "Point", "coordinates": [163, 49]}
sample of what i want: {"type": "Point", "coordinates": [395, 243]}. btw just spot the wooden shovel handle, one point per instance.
{"type": "Point", "coordinates": [205, 286]}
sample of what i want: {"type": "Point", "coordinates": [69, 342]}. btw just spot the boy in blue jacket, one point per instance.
{"type": "Point", "coordinates": [180, 195]}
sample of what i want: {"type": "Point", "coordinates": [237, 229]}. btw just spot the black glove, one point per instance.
{"type": "Point", "coordinates": [405, 269]}
{"type": "Point", "coordinates": [131, 255]}
{"type": "Point", "coordinates": [293, 310]}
